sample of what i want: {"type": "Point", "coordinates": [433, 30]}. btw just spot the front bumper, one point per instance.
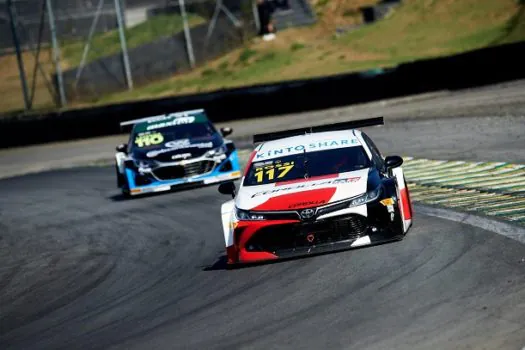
{"type": "Point", "coordinates": [370, 224]}
{"type": "Point", "coordinates": [226, 170]}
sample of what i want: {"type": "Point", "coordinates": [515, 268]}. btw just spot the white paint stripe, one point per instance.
{"type": "Point", "coordinates": [513, 187]}
{"type": "Point", "coordinates": [469, 202]}
{"type": "Point", "coordinates": [450, 174]}
{"type": "Point", "coordinates": [506, 211]}
{"type": "Point", "coordinates": [454, 199]}
{"type": "Point", "coordinates": [501, 205]}
{"type": "Point", "coordinates": [425, 165]}
{"type": "Point", "coordinates": [506, 229]}
{"type": "Point", "coordinates": [424, 197]}
{"type": "Point", "coordinates": [494, 181]}
{"type": "Point", "coordinates": [470, 175]}
{"type": "Point", "coordinates": [429, 169]}
{"type": "Point", "coordinates": [430, 191]}
{"type": "Point", "coordinates": [517, 217]}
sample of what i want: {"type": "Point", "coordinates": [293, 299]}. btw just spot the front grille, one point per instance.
{"type": "Point", "coordinates": [292, 236]}
{"type": "Point", "coordinates": [180, 171]}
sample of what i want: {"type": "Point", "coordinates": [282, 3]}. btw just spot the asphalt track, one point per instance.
{"type": "Point", "coordinates": [81, 268]}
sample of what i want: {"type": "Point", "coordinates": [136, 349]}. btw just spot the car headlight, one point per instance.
{"type": "Point", "coordinates": [144, 164]}
{"type": "Point", "coordinates": [368, 197]}
{"type": "Point", "coordinates": [217, 151]}
{"type": "Point", "coordinates": [247, 215]}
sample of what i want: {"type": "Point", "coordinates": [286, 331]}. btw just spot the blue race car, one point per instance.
{"type": "Point", "coordinates": [174, 150]}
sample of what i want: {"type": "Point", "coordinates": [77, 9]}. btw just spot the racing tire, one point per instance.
{"type": "Point", "coordinates": [120, 177]}
{"type": "Point", "coordinates": [122, 183]}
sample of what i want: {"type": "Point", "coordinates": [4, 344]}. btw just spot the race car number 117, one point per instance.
{"type": "Point", "coordinates": [269, 171]}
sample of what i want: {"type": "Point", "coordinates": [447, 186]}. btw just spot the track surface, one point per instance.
{"type": "Point", "coordinates": [80, 268]}
{"type": "Point", "coordinates": [447, 125]}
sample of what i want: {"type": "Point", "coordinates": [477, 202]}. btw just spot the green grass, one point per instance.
{"type": "Point", "coordinates": [422, 28]}
{"type": "Point", "coordinates": [417, 29]}
{"type": "Point", "coordinates": [108, 43]}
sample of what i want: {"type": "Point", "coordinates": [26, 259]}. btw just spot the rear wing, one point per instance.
{"type": "Point", "coordinates": [162, 117]}
{"type": "Point", "coordinates": [354, 124]}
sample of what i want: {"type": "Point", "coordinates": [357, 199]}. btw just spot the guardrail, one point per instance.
{"type": "Point", "coordinates": [475, 68]}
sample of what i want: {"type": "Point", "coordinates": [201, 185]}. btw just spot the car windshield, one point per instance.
{"type": "Point", "coordinates": [311, 164]}
{"type": "Point", "coordinates": [181, 133]}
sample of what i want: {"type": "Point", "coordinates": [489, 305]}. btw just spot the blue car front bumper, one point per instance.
{"type": "Point", "coordinates": [164, 179]}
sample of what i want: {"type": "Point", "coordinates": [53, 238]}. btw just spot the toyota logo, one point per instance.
{"type": "Point", "coordinates": [307, 213]}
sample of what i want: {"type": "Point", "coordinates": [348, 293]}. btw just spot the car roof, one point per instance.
{"type": "Point", "coordinates": [313, 142]}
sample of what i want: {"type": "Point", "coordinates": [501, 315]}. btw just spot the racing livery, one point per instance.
{"type": "Point", "coordinates": [315, 190]}
{"type": "Point", "coordinates": [174, 150]}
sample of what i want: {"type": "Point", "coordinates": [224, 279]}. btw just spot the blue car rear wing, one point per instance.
{"type": "Point", "coordinates": [354, 124]}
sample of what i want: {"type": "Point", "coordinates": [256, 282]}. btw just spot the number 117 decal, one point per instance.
{"type": "Point", "coordinates": [273, 171]}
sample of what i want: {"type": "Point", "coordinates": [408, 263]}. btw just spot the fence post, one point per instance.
{"type": "Point", "coordinates": [56, 53]}
{"type": "Point", "coordinates": [16, 42]}
{"type": "Point", "coordinates": [189, 46]}
{"type": "Point", "coordinates": [123, 45]}
{"type": "Point", "coordinates": [88, 43]}
{"type": "Point", "coordinates": [256, 16]}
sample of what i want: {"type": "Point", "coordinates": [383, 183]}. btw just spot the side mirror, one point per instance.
{"type": "Point", "coordinates": [227, 188]}
{"type": "Point", "coordinates": [226, 131]}
{"type": "Point", "coordinates": [393, 162]}
{"type": "Point", "coordinates": [122, 148]}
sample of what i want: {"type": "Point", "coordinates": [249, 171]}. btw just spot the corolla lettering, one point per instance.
{"type": "Point", "coordinates": [307, 204]}
{"type": "Point", "coordinates": [308, 185]}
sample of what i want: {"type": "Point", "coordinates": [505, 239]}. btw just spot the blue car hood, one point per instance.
{"type": "Point", "coordinates": [177, 150]}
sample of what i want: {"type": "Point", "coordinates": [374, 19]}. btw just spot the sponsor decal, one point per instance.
{"type": "Point", "coordinates": [307, 213]}
{"type": "Point", "coordinates": [307, 204]}
{"type": "Point", "coordinates": [176, 121]}
{"type": "Point", "coordinates": [181, 156]}
{"type": "Point", "coordinates": [313, 146]}
{"type": "Point", "coordinates": [282, 201]}
{"type": "Point", "coordinates": [387, 201]}
{"type": "Point", "coordinates": [178, 144]}
{"type": "Point", "coordinates": [145, 139]}
{"type": "Point", "coordinates": [308, 185]}
{"type": "Point", "coordinates": [270, 172]}
{"type": "Point", "coordinates": [184, 143]}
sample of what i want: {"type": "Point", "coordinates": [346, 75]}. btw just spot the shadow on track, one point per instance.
{"type": "Point", "coordinates": [221, 263]}
{"type": "Point", "coordinates": [120, 197]}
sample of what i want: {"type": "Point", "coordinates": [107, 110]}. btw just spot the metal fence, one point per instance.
{"type": "Point", "coordinates": [66, 50]}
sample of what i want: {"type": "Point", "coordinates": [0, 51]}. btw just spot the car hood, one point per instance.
{"type": "Point", "coordinates": [299, 194]}
{"type": "Point", "coordinates": [177, 150]}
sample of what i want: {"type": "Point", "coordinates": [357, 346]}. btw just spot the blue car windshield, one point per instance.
{"type": "Point", "coordinates": [184, 132]}
{"type": "Point", "coordinates": [312, 164]}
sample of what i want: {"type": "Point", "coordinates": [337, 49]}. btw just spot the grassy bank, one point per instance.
{"type": "Point", "coordinates": [416, 29]}
{"type": "Point", "coordinates": [102, 44]}
{"type": "Point", "coordinates": [106, 44]}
